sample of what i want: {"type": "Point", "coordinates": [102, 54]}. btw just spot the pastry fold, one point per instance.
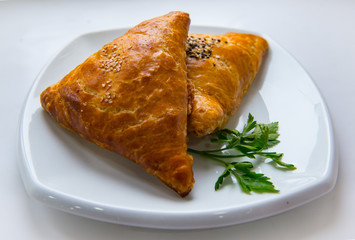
{"type": "Point", "coordinates": [220, 71]}
{"type": "Point", "coordinates": [130, 97]}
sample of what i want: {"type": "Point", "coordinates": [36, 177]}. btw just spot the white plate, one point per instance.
{"type": "Point", "coordinates": [68, 173]}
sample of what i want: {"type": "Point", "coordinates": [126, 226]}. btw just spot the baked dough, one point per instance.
{"type": "Point", "coordinates": [220, 71]}
{"type": "Point", "coordinates": [130, 97]}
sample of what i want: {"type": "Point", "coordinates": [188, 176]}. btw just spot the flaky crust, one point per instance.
{"type": "Point", "coordinates": [130, 97]}
{"type": "Point", "coordinates": [220, 71]}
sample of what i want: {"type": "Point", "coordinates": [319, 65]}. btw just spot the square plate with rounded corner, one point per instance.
{"type": "Point", "coordinates": [68, 173]}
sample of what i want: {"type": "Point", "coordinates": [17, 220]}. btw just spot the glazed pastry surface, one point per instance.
{"type": "Point", "coordinates": [130, 97]}
{"type": "Point", "coordinates": [221, 69]}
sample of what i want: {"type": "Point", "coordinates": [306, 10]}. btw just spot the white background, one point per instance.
{"type": "Point", "coordinates": [319, 34]}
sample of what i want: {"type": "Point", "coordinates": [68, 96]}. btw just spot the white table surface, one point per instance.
{"type": "Point", "coordinates": [319, 34]}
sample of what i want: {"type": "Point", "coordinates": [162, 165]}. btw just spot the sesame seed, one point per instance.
{"type": "Point", "coordinates": [111, 59]}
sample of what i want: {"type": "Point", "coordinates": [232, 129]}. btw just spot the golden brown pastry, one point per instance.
{"type": "Point", "coordinates": [130, 97]}
{"type": "Point", "coordinates": [220, 71]}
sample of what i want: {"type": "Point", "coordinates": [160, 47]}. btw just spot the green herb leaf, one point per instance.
{"type": "Point", "coordinates": [250, 180]}
{"type": "Point", "coordinates": [250, 124]}
{"type": "Point", "coordinates": [221, 178]}
{"type": "Point", "coordinates": [255, 182]}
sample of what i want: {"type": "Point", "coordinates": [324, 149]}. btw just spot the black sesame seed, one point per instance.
{"type": "Point", "coordinates": [199, 47]}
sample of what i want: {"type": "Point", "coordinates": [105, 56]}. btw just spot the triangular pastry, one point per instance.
{"type": "Point", "coordinates": [220, 71]}
{"type": "Point", "coordinates": [130, 97]}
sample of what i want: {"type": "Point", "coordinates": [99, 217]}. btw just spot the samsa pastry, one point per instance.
{"type": "Point", "coordinates": [220, 71]}
{"type": "Point", "coordinates": [130, 97]}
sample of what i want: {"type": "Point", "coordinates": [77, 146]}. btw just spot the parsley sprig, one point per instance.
{"type": "Point", "coordinates": [251, 142]}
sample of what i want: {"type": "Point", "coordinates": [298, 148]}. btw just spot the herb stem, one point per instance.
{"type": "Point", "coordinates": [208, 153]}
{"type": "Point", "coordinates": [217, 150]}
{"type": "Point", "coordinates": [202, 153]}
